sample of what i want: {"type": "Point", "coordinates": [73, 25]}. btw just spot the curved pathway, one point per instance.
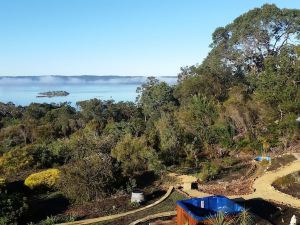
{"type": "Point", "coordinates": [264, 189]}
{"type": "Point", "coordinates": [262, 186]}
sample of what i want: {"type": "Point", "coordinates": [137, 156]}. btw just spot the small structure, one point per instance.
{"type": "Point", "coordinates": [196, 211]}
{"type": "Point", "coordinates": [262, 158]}
{"type": "Point", "coordinates": [137, 196]}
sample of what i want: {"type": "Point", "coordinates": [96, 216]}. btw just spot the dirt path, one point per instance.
{"type": "Point", "coordinates": [262, 186]}
{"type": "Point", "coordinates": [264, 189]}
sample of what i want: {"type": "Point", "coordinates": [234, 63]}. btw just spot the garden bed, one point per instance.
{"type": "Point", "coordinates": [281, 161]}
{"type": "Point", "coordinates": [231, 173]}
{"type": "Point", "coordinates": [111, 206]}
{"type": "Point", "coordinates": [168, 205]}
{"type": "Point", "coordinates": [289, 184]}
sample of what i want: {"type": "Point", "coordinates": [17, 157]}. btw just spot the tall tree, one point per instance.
{"type": "Point", "coordinates": [155, 96]}
{"type": "Point", "coordinates": [255, 35]}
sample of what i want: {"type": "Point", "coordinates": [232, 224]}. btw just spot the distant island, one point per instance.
{"type": "Point", "coordinates": [50, 94]}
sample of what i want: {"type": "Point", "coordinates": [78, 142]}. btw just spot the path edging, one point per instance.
{"type": "Point", "coordinates": [154, 216]}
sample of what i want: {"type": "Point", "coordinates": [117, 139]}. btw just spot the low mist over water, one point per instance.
{"type": "Point", "coordinates": [23, 90]}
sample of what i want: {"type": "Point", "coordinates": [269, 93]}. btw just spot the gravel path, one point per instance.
{"type": "Point", "coordinates": [264, 189]}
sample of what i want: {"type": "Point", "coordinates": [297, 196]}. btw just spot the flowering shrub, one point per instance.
{"type": "Point", "coordinates": [45, 179]}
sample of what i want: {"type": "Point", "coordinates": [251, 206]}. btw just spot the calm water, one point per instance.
{"type": "Point", "coordinates": [23, 90]}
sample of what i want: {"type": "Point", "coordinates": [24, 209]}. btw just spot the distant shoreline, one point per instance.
{"type": "Point", "coordinates": [84, 79]}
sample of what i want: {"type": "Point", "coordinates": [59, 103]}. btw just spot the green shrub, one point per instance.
{"type": "Point", "coordinates": [16, 160]}
{"type": "Point", "coordinates": [229, 161]}
{"type": "Point", "coordinates": [135, 155]}
{"type": "Point", "coordinates": [131, 185]}
{"type": "Point", "coordinates": [27, 157]}
{"type": "Point", "coordinates": [91, 178]}
{"type": "Point", "coordinates": [51, 220]}
{"type": "Point", "coordinates": [2, 182]}
{"type": "Point", "coordinates": [245, 218]}
{"type": "Point", "coordinates": [45, 179]}
{"type": "Point", "coordinates": [209, 171]}
{"type": "Point", "coordinates": [12, 207]}
{"type": "Point", "coordinates": [220, 219]}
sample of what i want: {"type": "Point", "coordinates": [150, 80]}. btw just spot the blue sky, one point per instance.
{"type": "Point", "coordinates": [102, 37]}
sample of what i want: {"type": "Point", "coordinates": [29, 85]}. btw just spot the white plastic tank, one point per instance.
{"type": "Point", "coordinates": [137, 196]}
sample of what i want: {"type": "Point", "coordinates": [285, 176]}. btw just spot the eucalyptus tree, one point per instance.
{"type": "Point", "coordinates": [245, 43]}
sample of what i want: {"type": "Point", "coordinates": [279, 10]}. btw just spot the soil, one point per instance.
{"type": "Point", "coordinates": [231, 173]}
{"type": "Point", "coordinates": [237, 187]}
{"type": "Point", "coordinates": [110, 206]}
{"type": "Point", "coordinates": [42, 206]}
{"type": "Point", "coordinates": [167, 205]}
{"type": "Point", "coordinates": [276, 214]}
{"type": "Point", "coordinates": [235, 180]}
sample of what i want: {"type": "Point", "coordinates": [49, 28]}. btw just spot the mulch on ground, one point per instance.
{"type": "Point", "coordinates": [236, 180]}
{"type": "Point", "coordinates": [289, 184]}
{"type": "Point", "coordinates": [281, 161]}
{"type": "Point", "coordinates": [239, 187]}
{"type": "Point", "coordinates": [110, 206]}
{"type": "Point", "coordinates": [168, 205]}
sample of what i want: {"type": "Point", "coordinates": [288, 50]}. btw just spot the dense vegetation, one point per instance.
{"type": "Point", "coordinates": [244, 97]}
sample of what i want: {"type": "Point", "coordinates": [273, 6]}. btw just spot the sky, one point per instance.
{"type": "Point", "coordinates": [112, 37]}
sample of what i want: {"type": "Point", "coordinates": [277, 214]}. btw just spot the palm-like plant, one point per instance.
{"type": "Point", "coordinates": [220, 219]}
{"type": "Point", "coordinates": [245, 218]}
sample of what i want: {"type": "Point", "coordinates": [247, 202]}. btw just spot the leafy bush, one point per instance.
{"type": "Point", "coordinates": [131, 185]}
{"type": "Point", "coordinates": [90, 178]}
{"type": "Point", "coordinates": [245, 218]}
{"type": "Point", "coordinates": [45, 179]}
{"type": "Point", "coordinates": [2, 182]}
{"type": "Point", "coordinates": [229, 161]}
{"type": "Point", "coordinates": [12, 207]}
{"type": "Point", "coordinates": [27, 157]}
{"type": "Point", "coordinates": [135, 155]}
{"type": "Point", "coordinates": [209, 171]}
{"type": "Point", "coordinates": [220, 219]}
{"type": "Point", "coordinates": [16, 160]}
{"type": "Point", "coordinates": [51, 220]}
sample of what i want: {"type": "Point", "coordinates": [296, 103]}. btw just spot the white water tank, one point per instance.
{"type": "Point", "coordinates": [293, 220]}
{"type": "Point", "coordinates": [137, 196]}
